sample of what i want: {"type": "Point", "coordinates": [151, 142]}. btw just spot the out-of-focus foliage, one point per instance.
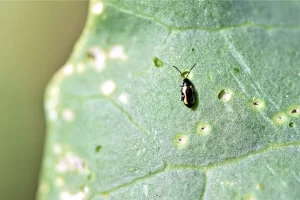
{"type": "Point", "coordinates": [35, 39]}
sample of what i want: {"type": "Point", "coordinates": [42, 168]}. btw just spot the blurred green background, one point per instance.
{"type": "Point", "coordinates": [36, 38]}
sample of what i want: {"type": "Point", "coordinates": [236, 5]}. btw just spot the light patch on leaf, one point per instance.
{"type": "Point", "coordinates": [54, 92]}
{"type": "Point", "coordinates": [146, 189]}
{"type": "Point", "coordinates": [44, 188]}
{"type": "Point", "coordinates": [123, 98]}
{"type": "Point", "coordinates": [71, 162]}
{"type": "Point", "coordinates": [98, 57]}
{"type": "Point", "coordinates": [68, 114]}
{"type": "Point", "coordinates": [57, 149]}
{"type": "Point", "coordinates": [52, 115]}
{"type": "Point", "coordinates": [108, 87]}
{"type": "Point", "coordinates": [97, 8]}
{"type": "Point", "coordinates": [86, 189]}
{"type": "Point", "coordinates": [52, 102]}
{"type": "Point", "coordinates": [117, 52]}
{"type": "Point", "coordinates": [259, 186]}
{"type": "Point", "coordinates": [249, 197]}
{"type": "Point", "coordinates": [80, 68]}
{"type": "Point", "coordinates": [68, 69]}
{"type": "Point", "coordinates": [59, 181]}
{"type": "Point", "coordinates": [68, 196]}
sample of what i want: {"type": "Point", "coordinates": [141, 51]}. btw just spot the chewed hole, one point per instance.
{"type": "Point", "coordinates": [158, 62]}
{"type": "Point", "coordinates": [292, 124]}
{"type": "Point", "coordinates": [280, 118]}
{"type": "Point", "coordinates": [181, 141]}
{"type": "Point", "coordinates": [257, 104]}
{"type": "Point", "coordinates": [203, 128]}
{"type": "Point", "coordinates": [236, 70]}
{"type": "Point", "coordinates": [98, 148]}
{"type": "Point", "coordinates": [225, 95]}
{"type": "Point", "coordinates": [293, 111]}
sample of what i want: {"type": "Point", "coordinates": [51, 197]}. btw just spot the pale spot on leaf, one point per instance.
{"type": "Point", "coordinates": [68, 69]}
{"type": "Point", "coordinates": [68, 196]}
{"type": "Point", "coordinates": [44, 187]}
{"type": "Point", "coordinates": [181, 140]}
{"type": "Point", "coordinates": [80, 68]}
{"type": "Point", "coordinates": [71, 162]}
{"type": "Point", "coordinates": [98, 57]}
{"type": "Point", "coordinates": [54, 92]}
{"type": "Point", "coordinates": [86, 189]}
{"type": "Point", "coordinates": [108, 87]}
{"type": "Point", "coordinates": [97, 8]}
{"type": "Point", "coordinates": [57, 149]}
{"type": "Point", "coordinates": [117, 52]}
{"type": "Point", "coordinates": [146, 189]}
{"type": "Point", "coordinates": [68, 115]}
{"type": "Point", "coordinates": [59, 182]}
{"type": "Point", "coordinates": [61, 166]}
{"type": "Point", "coordinates": [52, 115]}
{"type": "Point", "coordinates": [123, 98]}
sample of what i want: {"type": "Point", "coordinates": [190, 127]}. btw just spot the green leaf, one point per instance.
{"type": "Point", "coordinates": [118, 130]}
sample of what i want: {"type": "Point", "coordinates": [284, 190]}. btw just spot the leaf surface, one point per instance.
{"type": "Point", "coordinates": [118, 130]}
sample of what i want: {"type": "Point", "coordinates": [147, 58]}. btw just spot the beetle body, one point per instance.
{"type": "Point", "coordinates": [187, 90]}
{"type": "Point", "coordinates": [187, 93]}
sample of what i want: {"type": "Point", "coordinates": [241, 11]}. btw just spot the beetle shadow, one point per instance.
{"type": "Point", "coordinates": [195, 106]}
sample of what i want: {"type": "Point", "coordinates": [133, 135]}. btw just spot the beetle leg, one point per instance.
{"type": "Point", "coordinates": [182, 96]}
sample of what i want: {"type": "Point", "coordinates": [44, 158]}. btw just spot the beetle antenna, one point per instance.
{"type": "Point", "coordinates": [190, 70]}
{"type": "Point", "coordinates": [178, 70]}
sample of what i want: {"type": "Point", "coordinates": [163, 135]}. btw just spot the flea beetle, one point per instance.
{"type": "Point", "coordinates": [187, 90]}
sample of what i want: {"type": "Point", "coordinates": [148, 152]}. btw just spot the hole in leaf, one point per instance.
{"type": "Point", "coordinates": [181, 141]}
{"type": "Point", "coordinates": [203, 128]}
{"type": "Point", "coordinates": [236, 70]}
{"type": "Point", "coordinates": [158, 62]}
{"type": "Point", "coordinates": [294, 110]}
{"type": "Point", "coordinates": [257, 104]}
{"type": "Point", "coordinates": [224, 95]}
{"type": "Point", "coordinates": [98, 148]}
{"type": "Point", "coordinates": [280, 118]}
{"type": "Point", "coordinates": [292, 124]}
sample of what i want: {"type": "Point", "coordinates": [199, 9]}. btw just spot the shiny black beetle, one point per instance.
{"type": "Point", "coordinates": [187, 90]}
